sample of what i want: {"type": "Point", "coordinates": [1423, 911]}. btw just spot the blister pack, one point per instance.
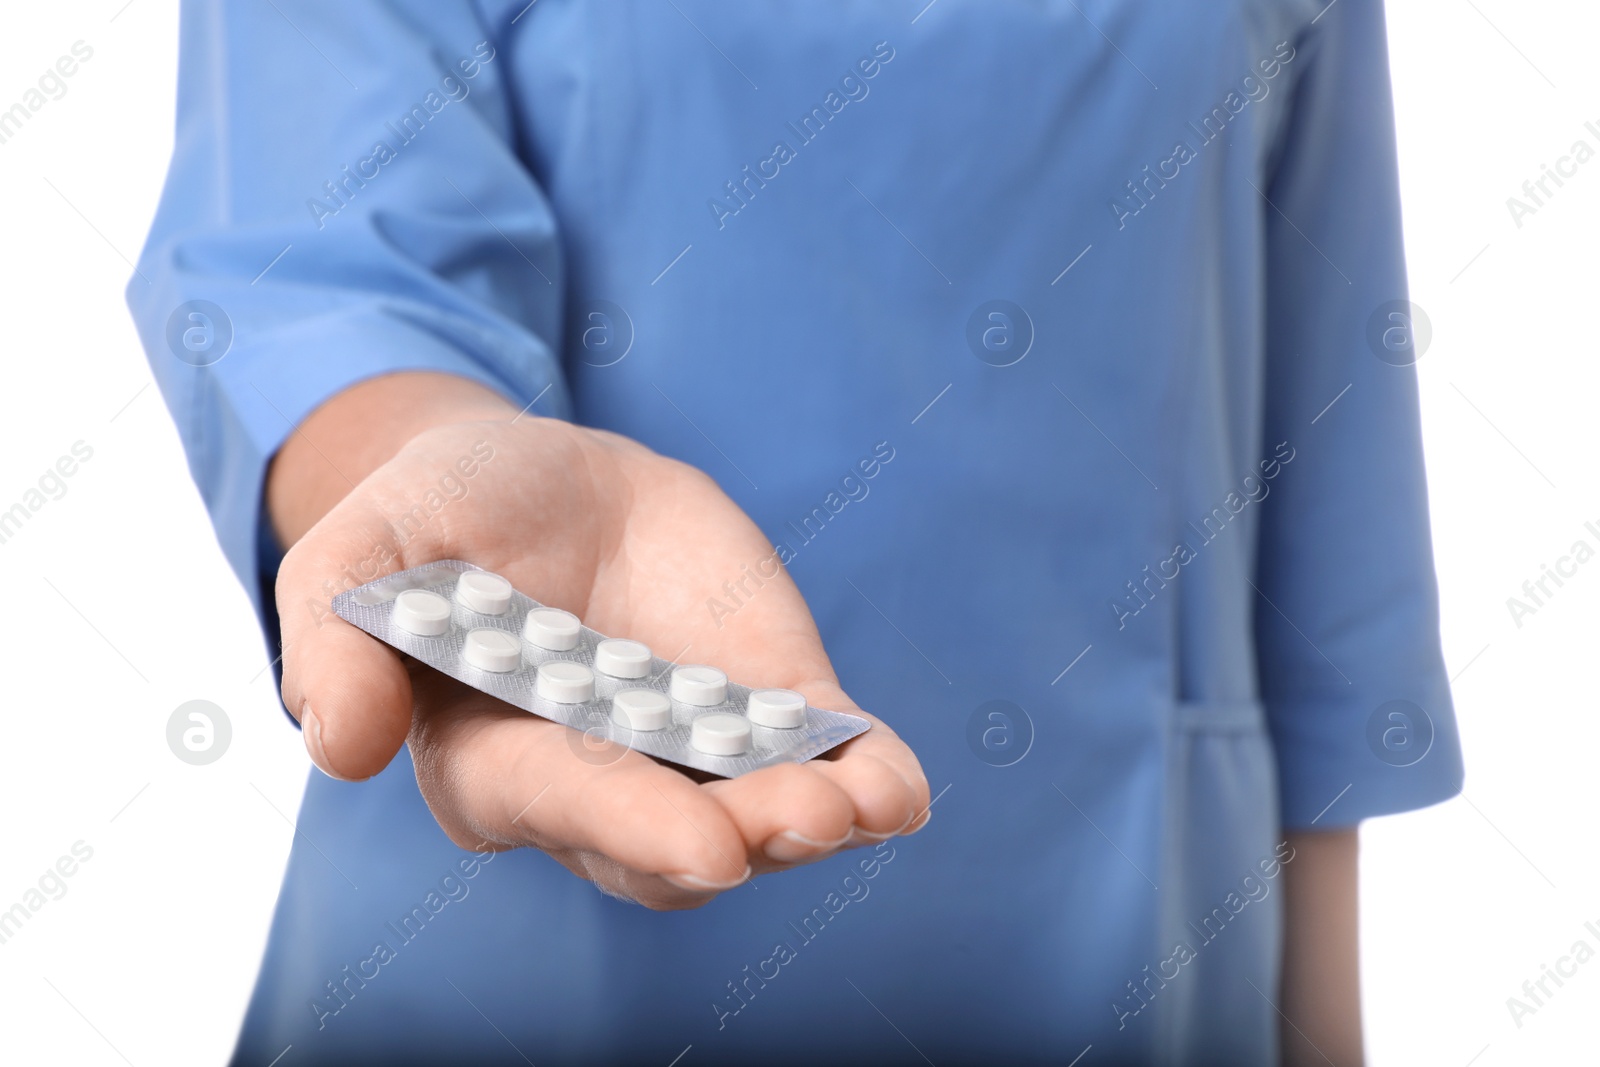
{"type": "Point", "coordinates": [472, 625]}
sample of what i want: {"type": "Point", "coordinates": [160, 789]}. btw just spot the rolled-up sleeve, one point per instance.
{"type": "Point", "coordinates": [344, 201]}
{"type": "Point", "coordinates": [1347, 625]}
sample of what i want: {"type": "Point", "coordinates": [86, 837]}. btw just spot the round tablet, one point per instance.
{"type": "Point", "coordinates": [485, 593]}
{"type": "Point", "coordinates": [779, 709]}
{"type": "Point", "coordinates": [704, 687]}
{"type": "Point", "coordinates": [417, 611]}
{"type": "Point", "coordinates": [641, 709]}
{"type": "Point", "coordinates": [721, 734]}
{"type": "Point", "coordinates": [552, 628]}
{"type": "Point", "coordinates": [621, 658]}
{"type": "Point", "coordinates": [565, 682]}
{"type": "Point", "coordinates": [492, 650]}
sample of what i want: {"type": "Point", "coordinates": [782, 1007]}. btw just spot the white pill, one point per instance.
{"type": "Point", "coordinates": [641, 709]}
{"type": "Point", "coordinates": [621, 658]}
{"type": "Point", "coordinates": [565, 682]}
{"type": "Point", "coordinates": [485, 593]}
{"type": "Point", "coordinates": [552, 628]}
{"type": "Point", "coordinates": [704, 687]}
{"type": "Point", "coordinates": [779, 709]}
{"type": "Point", "coordinates": [492, 650]}
{"type": "Point", "coordinates": [417, 611]}
{"type": "Point", "coordinates": [721, 734]}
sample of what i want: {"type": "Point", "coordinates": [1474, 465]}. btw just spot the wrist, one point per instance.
{"type": "Point", "coordinates": [357, 431]}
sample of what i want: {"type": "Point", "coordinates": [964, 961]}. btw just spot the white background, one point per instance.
{"type": "Point", "coordinates": [150, 955]}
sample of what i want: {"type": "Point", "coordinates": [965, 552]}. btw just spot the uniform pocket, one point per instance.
{"type": "Point", "coordinates": [1221, 917]}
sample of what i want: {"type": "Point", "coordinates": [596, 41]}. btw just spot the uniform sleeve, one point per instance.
{"type": "Point", "coordinates": [1347, 626]}
{"type": "Point", "coordinates": [344, 201]}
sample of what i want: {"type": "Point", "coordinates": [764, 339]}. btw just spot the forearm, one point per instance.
{"type": "Point", "coordinates": [359, 430]}
{"type": "Point", "coordinates": [1321, 996]}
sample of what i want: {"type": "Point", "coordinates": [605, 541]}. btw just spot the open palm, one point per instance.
{"type": "Point", "coordinates": [635, 544]}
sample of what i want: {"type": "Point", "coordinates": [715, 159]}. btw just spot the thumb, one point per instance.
{"type": "Point", "coordinates": [350, 691]}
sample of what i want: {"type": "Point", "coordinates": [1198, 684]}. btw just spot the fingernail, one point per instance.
{"type": "Point", "coordinates": [918, 823]}
{"type": "Point", "coordinates": [311, 731]}
{"type": "Point", "coordinates": [786, 846]}
{"type": "Point", "coordinates": [859, 837]}
{"type": "Point", "coordinates": [701, 885]}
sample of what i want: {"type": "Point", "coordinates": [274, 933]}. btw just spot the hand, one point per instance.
{"type": "Point", "coordinates": [631, 542]}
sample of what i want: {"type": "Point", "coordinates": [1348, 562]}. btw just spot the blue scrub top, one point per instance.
{"type": "Point", "coordinates": [1104, 294]}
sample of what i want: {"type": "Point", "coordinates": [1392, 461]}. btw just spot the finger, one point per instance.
{"type": "Point", "coordinates": [491, 772]}
{"type": "Point", "coordinates": [879, 748]}
{"type": "Point", "coordinates": [787, 813]}
{"type": "Point", "coordinates": [630, 886]}
{"type": "Point", "coordinates": [884, 805]}
{"type": "Point", "coordinates": [349, 691]}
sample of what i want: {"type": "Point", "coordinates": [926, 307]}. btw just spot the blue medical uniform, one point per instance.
{"type": "Point", "coordinates": [1108, 296]}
